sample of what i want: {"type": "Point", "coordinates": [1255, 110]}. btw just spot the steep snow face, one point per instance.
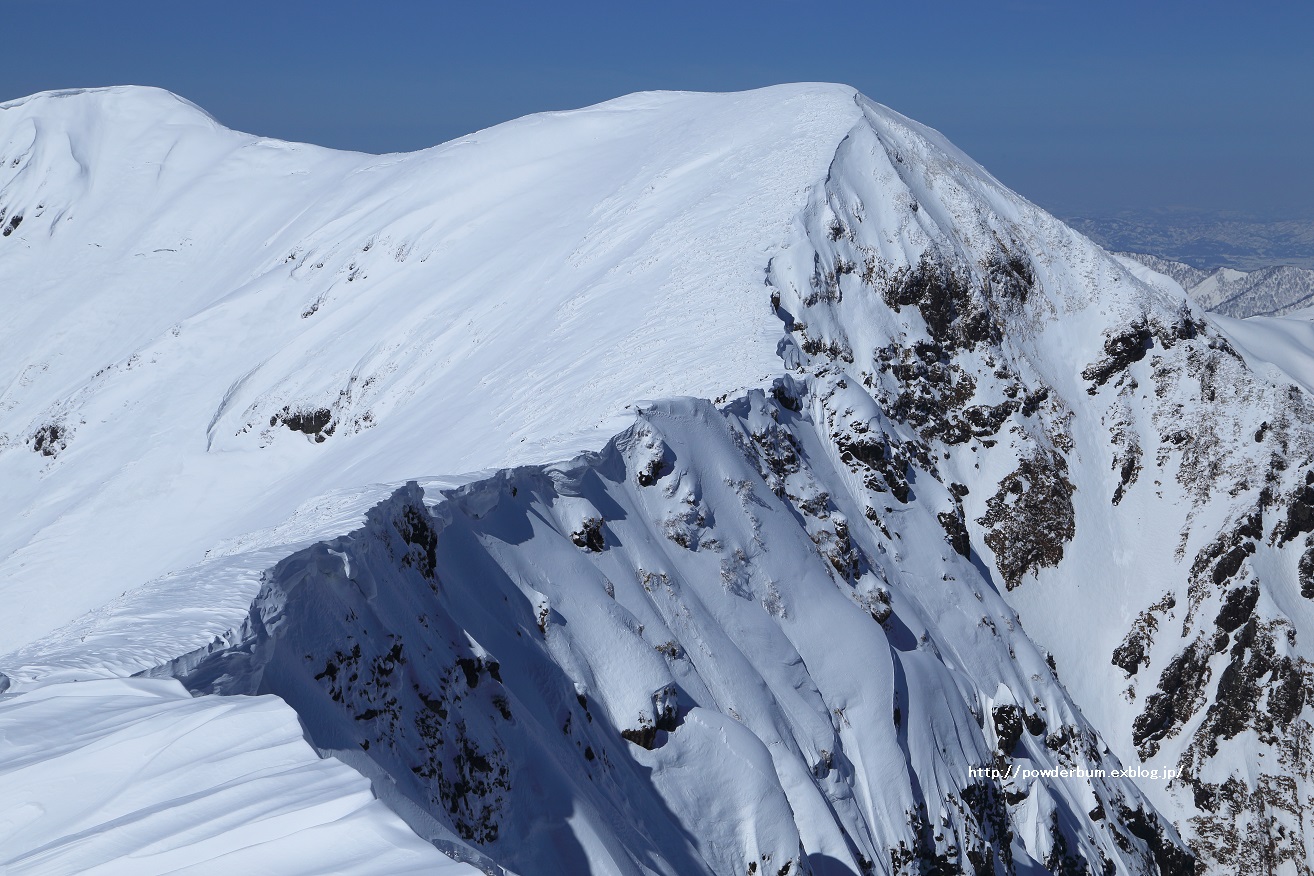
{"type": "Point", "coordinates": [138, 777]}
{"type": "Point", "coordinates": [688, 629]}
{"type": "Point", "coordinates": [1136, 485]}
{"type": "Point", "coordinates": [205, 328]}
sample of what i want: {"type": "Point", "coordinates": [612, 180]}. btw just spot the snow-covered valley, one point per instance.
{"type": "Point", "coordinates": [694, 483]}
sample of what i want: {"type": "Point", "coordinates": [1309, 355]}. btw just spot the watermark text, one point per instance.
{"type": "Point", "coordinates": [1016, 772]}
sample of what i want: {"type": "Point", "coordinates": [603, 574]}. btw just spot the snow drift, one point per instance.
{"type": "Point", "coordinates": [135, 776]}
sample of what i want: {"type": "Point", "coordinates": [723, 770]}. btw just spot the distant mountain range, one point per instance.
{"type": "Point", "coordinates": [1276, 290]}
{"type": "Point", "coordinates": [1205, 240]}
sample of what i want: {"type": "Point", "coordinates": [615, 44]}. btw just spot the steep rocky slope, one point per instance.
{"type": "Point", "coordinates": [1138, 488]}
{"type": "Point", "coordinates": [656, 631]}
{"type": "Point", "coordinates": [956, 499]}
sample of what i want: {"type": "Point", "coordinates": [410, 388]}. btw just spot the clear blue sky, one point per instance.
{"type": "Point", "coordinates": [1085, 107]}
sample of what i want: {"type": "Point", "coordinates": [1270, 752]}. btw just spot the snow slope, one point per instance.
{"type": "Point", "coordinates": [1283, 343]}
{"type": "Point", "coordinates": [949, 489]}
{"type": "Point", "coordinates": [138, 777]}
{"type": "Point", "coordinates": [174, 286]}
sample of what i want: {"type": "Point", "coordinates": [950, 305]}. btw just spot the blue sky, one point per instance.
{"type": "Point", "coordinates": [1085, 107]}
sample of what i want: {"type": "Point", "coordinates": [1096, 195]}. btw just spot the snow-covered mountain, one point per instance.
{"type": "Point", "coordinates": [826, 507]}
{"type": "Point", "coordinates": [1277, 290]}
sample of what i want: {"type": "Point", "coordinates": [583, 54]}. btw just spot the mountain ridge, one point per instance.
{"type": "Point", "coordinates": [944, 402]}
{"type": "Point", "coordinates": [310, 310]}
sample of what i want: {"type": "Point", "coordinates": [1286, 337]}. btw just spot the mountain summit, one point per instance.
{"type": "Point", "coordinates": [693, 483]}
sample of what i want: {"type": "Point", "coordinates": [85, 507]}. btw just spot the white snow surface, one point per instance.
{"type": "Point", "coordinates": [135, 776]}
{"type": "Point", "coordinates": [946, 486]}
{"type": "Point", "coordinates": [1284, 345]}
{"type": "Point", "coordinates": [502, 298]}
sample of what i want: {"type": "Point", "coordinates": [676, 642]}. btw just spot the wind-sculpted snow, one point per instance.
{"type": "Point", "coordinates": [204, 328]}
{"type": "Point", "coordinates": [136, 777]}
{"type": "Point", "coordinates": [937, 452]}
{"type": "Point", "coordinates": [683, 668]}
